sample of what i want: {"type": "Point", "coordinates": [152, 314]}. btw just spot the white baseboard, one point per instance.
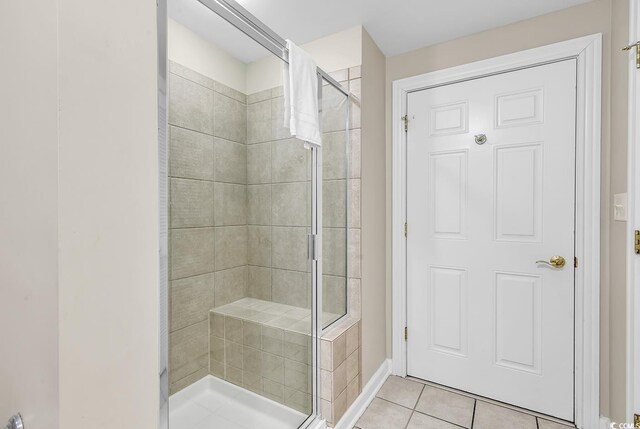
{"type": "Point", "coordinates": [369, 391]}
{"type": "Point", "coordinates": [605, 423]}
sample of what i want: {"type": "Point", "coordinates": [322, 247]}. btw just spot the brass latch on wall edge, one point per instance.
{"type": "Point", "coordinates": [406, 333]}
{"type": "Point", "coordinates": [637, 242]}
{"type": "Point", "coordinates": [636, 420]}
{"type": "Point", "coordinates": [637, 46]}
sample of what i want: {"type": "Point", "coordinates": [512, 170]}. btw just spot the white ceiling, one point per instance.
{"type": "Point", "coordinates": [396, 26]}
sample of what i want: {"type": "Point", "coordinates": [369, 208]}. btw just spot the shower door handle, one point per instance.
{"type": "Point", "coordinates": [312, 247]}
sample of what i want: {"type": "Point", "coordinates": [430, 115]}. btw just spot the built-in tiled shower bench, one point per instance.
{"type": "Point", "coordinates": [265, 347]}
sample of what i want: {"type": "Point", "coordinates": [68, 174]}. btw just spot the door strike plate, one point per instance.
{"type": "Point", "coordinates": [637, 242]}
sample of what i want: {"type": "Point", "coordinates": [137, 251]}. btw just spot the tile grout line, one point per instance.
{"type": "Point", "coordinates": [473, 415]}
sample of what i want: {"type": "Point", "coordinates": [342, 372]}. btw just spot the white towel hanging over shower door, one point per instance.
{"type": "Point", "coordinates": [300, 81]}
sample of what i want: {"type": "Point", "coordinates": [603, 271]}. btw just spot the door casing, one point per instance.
{"type": "Point", "coordinates": [588, 53]}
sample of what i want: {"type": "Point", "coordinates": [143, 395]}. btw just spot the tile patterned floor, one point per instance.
{"type": "Point", "coordinates": [410, 404]}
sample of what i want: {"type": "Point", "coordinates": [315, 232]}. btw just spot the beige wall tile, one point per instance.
{"type": "Point", "coordinates": [191, 203]}
{"type": "Point", "coordinates": [278, 130]}
{"type": "Point", "coordinates": [230, 204]}
{"type": "Point", "coordinates": [354, 255]}
{"type": "Point", "coordinates": [334, 251]}
{"type": "Point", "coordinates": [334, 155]}
{"type": "Point", "coordinates": [291, 287]}
{"type": "Point", "coordinates": [187, 381]}
{"type": "Point", "coordinates": [297, 347]}
{"type": "Point", "coordinates": [326, 355]}
{"type": "Point", "coordinates": [252, 360]}
{"type": "Point", "coordinates": [354, 297]}
{"type": "Point", "coordinates": [273, 390]}
{"type": "Point", "coordinates": [229, 92]}
{"type": "Point", "coordinates": [216, 326]}
{"type": "Point", "coordinates": [217, 369]}
{"type": "Point", "coordinates": [252, 334]}
{"type": "Point", "coordinates": [233, 330]}
{"type": "Point", "coordinates": [259, 246]}
{"type": "Point", "coordinates": [191, 300]}
{"type": "Point", "coordinates": [273, 340]}
{"type": "Point", "coordinates": [289, 248]}
{"type": "Point", "coordinates": [230, 161]}
{"type": "Point", "coordinates": [191, 154]}
{"type": "Point", "coordinates": [191, 251]}
{"type": "Point", "coordinates": [252, 381]}
{"type": "Point", "coordinates": [187, 73]}
{"type": "Point", "coordinates": [353, 338]}
{"type": "Point", "coordinates": [326, 411]}
{"type": "Point", "coordinates": [354, 203]}
{"type": "Point", "coordinates": [256, 97]}
{"type": "Point", "coordinates": [190, 105]}
{"type": "Point", "coordinates": [353, 365]}
{"type": "Point", "coordinates": [273, 367]}
{"type": "Point", "coordinates": [188, 350]}
{"type": "Point", "coordinates": [334, 203]}
{"type": "Point", "coordinates": [334, 294]}
{"type": "Point", "coordinates": [231, 247]}
{"type": "Point", "coordinates": [334, 110]}
{"type": "Point", "coordinates": [229, 119]}
{"type": "Point", "coordinates": [290, 204]}
{"type": "Point", "coordinates": [355, 147]}
{"type": "Point", "coordinates": [339, 350]}
{"type": "Point", "coordinates": [233, 354]}
{"type": "Point", "coordinates": [326, 385]}
{"type": "Point", "coordinates": [289, 161]}
{"type": "Point", "coordinates": [340, 406]}
{"type": "Point", "coordinates": [217, 349]}
{"type": "Point", "coordinates": [259, 204]}
{"type": "Point", "coordinates": [296, 375]}
{"type": "Point", "coordinates": [259, 163]}
{"type": "Point", "coordinates": [353, 391]}
{"type": "Point", "coordinates": [259, 283]}
{"type": "Point", "coordinates": [230, 285]}
{"type": "Point", "coordinates": [297, 400]}
{"type": "Point", "coordinates": [233, 375]}
{"type": "Point", "coordinates": [259, 122]}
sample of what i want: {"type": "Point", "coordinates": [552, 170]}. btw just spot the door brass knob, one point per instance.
{"type": "Point", "coordinates": [555, 262]}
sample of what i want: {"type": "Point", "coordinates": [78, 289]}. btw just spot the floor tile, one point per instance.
{"type": "Point", "coordinates": [401, 391]}
{"type": "Point", "coordinates": [489, 416]}
{"type": "Point", "coordinates": [382, 414]}
{"type": "Point", "coordinates": [422, 421]}
{"type": "Point", "coordinates": [546, 424]}
{"type": "Point", "coordinates": [445, 405]}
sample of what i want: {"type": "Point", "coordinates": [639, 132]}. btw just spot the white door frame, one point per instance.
{"type": "Point", "coordinates": [633, 222]}
{"type": "Point", "coordinates": [588, 53]}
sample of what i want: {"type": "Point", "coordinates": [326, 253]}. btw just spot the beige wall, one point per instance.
{"type": "Point", "coordinates": [29, 213]}
{"type": "Point", "coordinates": [108, 213]}
{"type": "Point", "coordinates": [594, 17]}
{"type": "Point", "coordinates": [374, 325]}
{"type": "Point", "coordinates": [192, 51]}
{"type": "Point", "coordinates": [337, 51]}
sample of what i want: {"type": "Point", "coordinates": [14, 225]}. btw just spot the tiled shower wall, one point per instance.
{"type": "Point", "coordinates": [208, 214]}
{"type": "Point", "coordinates": [279, 204]}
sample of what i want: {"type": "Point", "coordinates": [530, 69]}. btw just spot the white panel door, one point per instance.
{"type": "Point", "coordinates": [483, 315]}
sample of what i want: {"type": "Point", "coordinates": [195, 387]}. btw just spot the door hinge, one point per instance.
{"type": "Point", "coordinates": [637, 242]}
{"type": "Point", "coordinates": [406, 333]}
{"type": "Point", "coordinates": [575, 262]}
{"type": "Point", "coordinates": [406, 229]}
{"type": "Point", "coordinates": [636, 420]}
{"type": "Point", "coordinates": [405, 118]}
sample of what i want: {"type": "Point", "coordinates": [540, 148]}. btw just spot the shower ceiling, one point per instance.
{"type": "Point", "coordinates": [396, 27]}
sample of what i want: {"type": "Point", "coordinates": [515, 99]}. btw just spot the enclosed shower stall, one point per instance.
{"type": "Point", "coordinates": [257, 222]}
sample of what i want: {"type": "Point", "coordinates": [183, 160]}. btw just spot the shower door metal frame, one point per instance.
{"type": "Point", "coordinates": [239, 17]}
